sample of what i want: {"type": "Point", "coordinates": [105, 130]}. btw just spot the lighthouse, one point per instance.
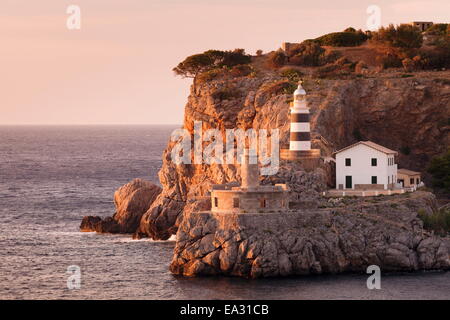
{"type": "Point", "coordinates": [300, 134]}
{"type": "Point", "coordinates": [300, 137]}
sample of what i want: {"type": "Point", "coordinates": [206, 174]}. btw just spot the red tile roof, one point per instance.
{"type": "Point", "coordinates": [370, 144]}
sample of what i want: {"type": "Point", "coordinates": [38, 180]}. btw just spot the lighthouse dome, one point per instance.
{"type": "Point", "coordinates": [299, 93]}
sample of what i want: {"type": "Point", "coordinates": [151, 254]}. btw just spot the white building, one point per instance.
{"type": "Point", "coordinates": [365, 165]}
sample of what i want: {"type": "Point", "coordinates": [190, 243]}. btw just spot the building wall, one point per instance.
{"type": "Point", "coordinates": [248, 201]}
{"type": "Point", "coordinates": [406, 179]}
{"type": "Point", "coordinates": [422, 25]}
{"type": "Point", "coordinates": [361, 169]}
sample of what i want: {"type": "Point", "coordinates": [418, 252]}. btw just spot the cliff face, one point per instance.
{"type": "Point", "coordinates": [402, 114]}
{"type": "Point", "coordinates": [383, 232]}
{"type": "Point", "coordinates": [408, 114]}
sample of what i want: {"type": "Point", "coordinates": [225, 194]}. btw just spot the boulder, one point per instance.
{"type": "Point", "coordinates": [131, 201]}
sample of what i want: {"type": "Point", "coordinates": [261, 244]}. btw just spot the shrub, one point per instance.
{"type": "Point", "coordinates": [342, 39]}
{"type": "Point", "coordinates": [211, 74]}
{"type": "Point", "coordinates": [280, 87]}
{"type": "Point", "coordinates": [439, 168]}
{"type": "Point", "coordinates": [236, 57]}
{"type": "Point", "coordinates": [390, 60]}
{"type": "Point", "coordinates": [211, 59]}
{"type": "Point", "coordinates": [357, 135]}
{"type": "Point", "coordinates": [408, 64]}
{"type": "Point", "coordinates": [241, 70]}
{"type": "Point", "coordinates": [439, 56]}
{"type": "Point", "coordinates": [292, 75]}
{"type": "Point", "coordinates": [193, 65]}
{"type": "Point", "coordinates": [259, 52]}
{"type": "Point", "coordinates": [276, 59]}
{"type": "Point", "coordinates": [438, 29]}
{"type": "Point", "coordinates": [402, 36]}
{"type": "Point", "coordinates": [330, 56]}
{"type": "Point", "coordinates": [438, 221]}
{"type": "Point", "coordinates": [307, 53]}
{"type": "Point", "coordinates": [406, 150]}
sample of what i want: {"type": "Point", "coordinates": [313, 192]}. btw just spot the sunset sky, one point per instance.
{"type": "Point", "coordinates": [117, 69]}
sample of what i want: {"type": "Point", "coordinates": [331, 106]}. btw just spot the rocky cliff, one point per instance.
{"type": "Point", "coordinates": [318, 235]}
{"type": "Point", "coordinates": [349, 235]}
{"type": "Point", "coordinates": [408, 114]}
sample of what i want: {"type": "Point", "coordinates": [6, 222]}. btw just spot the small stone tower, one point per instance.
{"type": "Point", "coordinates": [249, 170]}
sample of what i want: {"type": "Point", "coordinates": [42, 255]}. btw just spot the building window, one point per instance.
{"type": "Point", "coordinates": [374, 162]}
{"type": "Point", "coordinates": [262, 203]}
{"type": "Point", "coordinates": [235, 202]}
{"type": "Point", "coordinates": [216, 202]}
{"type": "Point", "coordinates": [348, 162]}
{"type": "Point", "coordinates": [411, 181]}
{"type": "Point", "coordinates": [417, 181]}
{"type": "Point", "coordinates": [374, 180]}
{"type": "Point", "coordinates": [389, 179]}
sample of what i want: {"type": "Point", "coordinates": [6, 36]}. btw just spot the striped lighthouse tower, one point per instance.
{"type": "Point", "coordinates": [300, 137]}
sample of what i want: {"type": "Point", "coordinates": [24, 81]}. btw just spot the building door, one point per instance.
{"type": "Point", "coordinates": [348, 182]}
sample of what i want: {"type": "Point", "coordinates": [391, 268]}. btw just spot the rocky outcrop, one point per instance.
{"type": "Point", "coordinates": [346, 236]}
{"type": "Point", "coordinates": [131, 201]}
{"type": "Point", "coordinates": [385, 110]}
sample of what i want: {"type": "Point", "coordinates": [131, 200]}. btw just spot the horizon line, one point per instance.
{"type": "Point", "coordinates": [86, 124]}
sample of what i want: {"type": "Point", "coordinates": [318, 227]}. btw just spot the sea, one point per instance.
{"type": "Point", "coordinates": [52, 176]}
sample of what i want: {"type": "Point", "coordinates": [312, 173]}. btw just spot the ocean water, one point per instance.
{"type": "Point", "coordinates": [50, 177]}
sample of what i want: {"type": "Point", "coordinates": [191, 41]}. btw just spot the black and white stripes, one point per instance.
{"type": "Point", "coordinates": [300, 137]}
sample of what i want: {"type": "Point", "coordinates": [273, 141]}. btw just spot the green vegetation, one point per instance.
{"type": "Point", "coordinates": [342, 67]}
{"type": "Point", "coordinates": [439, 168]}
{"type": "Point", "coordinates": [401, 36]}
{"type": "Point", "coordinates": [349, 38]}
{"type": "Point", "coordinates": [406, 150]}
{"type": "Point", "coordinates": [276, 59]}
{"type": "Point", "coordinates": [440, 56]}
{"type": "Point", "coordinates": [357, 135]}
{"type": "Point", "coordinates": [211, 74]}
{"type": "Point", "coordinates": [438, 221]}
{"type": "Point", "coordinates": [211, 59]}
{"type": "Point", "coordinates": [241, 70]}
{"type": "Point", "coordinates": [292, 75]}
{"type": "Point", "coordinates": [307, 53]}
{"type": "Point", "coordinates": [350, 29]}
{"type": "Point", "coordinates": [438, 29]}
{"type": "Point", "coordinates": [280, 87]}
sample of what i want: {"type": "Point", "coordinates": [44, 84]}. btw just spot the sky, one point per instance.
{"type": "Point", "coordinates": [117, 68]}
